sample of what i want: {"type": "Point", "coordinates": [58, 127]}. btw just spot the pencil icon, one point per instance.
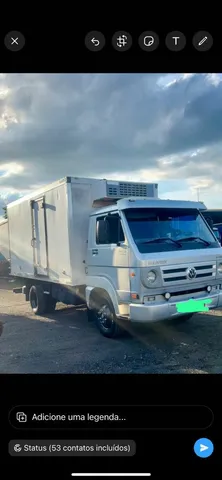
{"type": "Point", "coordinates": [202, 41]}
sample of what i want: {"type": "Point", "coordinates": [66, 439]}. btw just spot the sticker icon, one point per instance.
{"type": "Point", "coordinates": [148, 41]}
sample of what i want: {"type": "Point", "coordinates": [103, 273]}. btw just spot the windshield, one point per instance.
{"type": "Point", "coordinates": [157, 230]}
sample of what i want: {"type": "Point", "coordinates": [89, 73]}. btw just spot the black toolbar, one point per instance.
{"type": "Point", "coordinates": [122, 41]}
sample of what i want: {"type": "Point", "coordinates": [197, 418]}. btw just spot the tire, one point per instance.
{"type": "Point", "coordinates": [50, 304]}
{"type": "Point", "coordinates": [37, 299]}
{"type": "Point", "coordinates": [105, 318]}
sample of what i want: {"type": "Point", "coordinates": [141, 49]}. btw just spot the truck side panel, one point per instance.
{"type": "Point", "coordinates": [80, 209]}
{"type": "Point", "coordinates": [4, 239]}
{"type": "Point", "coordinates": [49, 253]}
{"type": "Point", "coordinates": [20, 237]}
{"type": "Point", "coordinates": [58, 235]}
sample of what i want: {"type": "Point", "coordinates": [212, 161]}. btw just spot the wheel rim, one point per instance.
{"type": "Point", "coordinates": [105, 317]}
{"type": "Point", "coordinates": [33, 300]}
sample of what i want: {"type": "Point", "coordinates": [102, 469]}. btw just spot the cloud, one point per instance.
{"type": "Point", "coordinates": [145, 126]}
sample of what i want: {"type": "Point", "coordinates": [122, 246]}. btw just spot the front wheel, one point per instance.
{"type": "Point", "coordinates": [105, 318]}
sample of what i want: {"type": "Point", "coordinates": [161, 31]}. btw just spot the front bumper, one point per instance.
{"type": "Point", "coordinates": [147, 313]}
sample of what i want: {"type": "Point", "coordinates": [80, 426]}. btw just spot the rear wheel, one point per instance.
{"type": "Point", "coordinates": [105, 318]}
{"type": "Point", "coordinates": [37, 299]}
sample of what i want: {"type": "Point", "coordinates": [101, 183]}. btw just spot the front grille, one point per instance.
{"type": "Point", "coordinates": [203, 267]}
{"type": "Point", "coordinates": [202, 275]}
{"type": "Point", "coordinates": [175, 279]}
{"type": "Point", "coordinates": [181, 270]}
{"type": "Point", "coordinates": [191, 291]}
{"type": "Point", "coordinates": [180, 274]}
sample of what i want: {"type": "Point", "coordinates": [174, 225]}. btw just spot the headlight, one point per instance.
{"type": "Point", "coordinates": [219, 268]}
{"type": "Point", "coordinates": [151, 276]}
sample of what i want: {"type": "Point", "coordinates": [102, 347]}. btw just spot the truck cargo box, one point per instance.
{"type": "Point", "coordinates": [48, 229]}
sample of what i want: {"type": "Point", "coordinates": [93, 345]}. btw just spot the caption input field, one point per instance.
{"type": "Point", "coordinates": [118, 417]}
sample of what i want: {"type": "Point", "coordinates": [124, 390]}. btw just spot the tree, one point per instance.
{"type": "Point", "coordinates": [5, 212]}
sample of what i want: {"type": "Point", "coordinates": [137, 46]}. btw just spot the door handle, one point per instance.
{"type": "Point", "coordinates": [95, 251]}
{"type": "Point", "coordinates": [32, 242]}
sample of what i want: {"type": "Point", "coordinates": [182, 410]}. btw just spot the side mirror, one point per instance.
{"type": "Point", "coordinates": [210, 222]}
{"type": "Point", "coordinates": [217, 234]}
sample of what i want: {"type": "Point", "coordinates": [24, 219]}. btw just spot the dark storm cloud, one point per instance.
{"type": "Point", "coordinates": [57, 125]}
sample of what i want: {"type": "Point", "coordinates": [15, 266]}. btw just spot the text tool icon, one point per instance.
{"type": "Point", "coordinates": [122, 41]}
{"type": "Point", "coordinates": [21, 417]}
{"type": "Point", "coordinates": [95, 41]}
{"type": "Point", "coordinates": [203, 448]}
{"type": "Point", "coordinates": [175, 41]}
{"type": "Point", "coordinates": [14, 41]}
{"type": "Point", "coordinates": [148, 41]}
{"type": "Point", "coordinates": [202, 41]}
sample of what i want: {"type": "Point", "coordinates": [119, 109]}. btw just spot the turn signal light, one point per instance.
{"type": "Point", "coordinates": [134, 296]}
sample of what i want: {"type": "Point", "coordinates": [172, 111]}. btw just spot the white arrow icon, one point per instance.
{"type": "Point", "coordinates": [95, 41]}
{"type": "Point", "coordinates": [203, 447]}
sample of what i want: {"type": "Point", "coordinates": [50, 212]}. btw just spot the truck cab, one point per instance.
{"type": "Point", "coordinates": [146, 258]}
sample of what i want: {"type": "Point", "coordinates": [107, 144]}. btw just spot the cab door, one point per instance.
{"type": "Point", "coordinates": [108, 254]}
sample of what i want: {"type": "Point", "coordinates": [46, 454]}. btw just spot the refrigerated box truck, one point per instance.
{"type": "Point", "coordinates": [116, 247]}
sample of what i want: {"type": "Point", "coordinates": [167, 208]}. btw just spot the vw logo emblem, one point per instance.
{"type": "Point", "coordinates": [191, 273]}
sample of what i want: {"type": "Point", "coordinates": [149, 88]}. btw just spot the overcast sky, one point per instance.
{"type": "Point", "coordinates": [149, 127]}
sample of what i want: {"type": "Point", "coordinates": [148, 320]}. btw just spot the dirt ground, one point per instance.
{"type": "Point", "coordinates": [66, 343]}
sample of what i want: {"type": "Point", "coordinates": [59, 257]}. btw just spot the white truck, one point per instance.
{"type": "Point", "coordinates": [116, 247]}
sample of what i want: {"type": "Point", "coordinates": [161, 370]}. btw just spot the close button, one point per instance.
{"type": "Point", "coordinates": [14, 41]}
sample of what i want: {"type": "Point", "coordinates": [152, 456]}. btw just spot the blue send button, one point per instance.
{"type": "Point", "coordinates": [203, 448]}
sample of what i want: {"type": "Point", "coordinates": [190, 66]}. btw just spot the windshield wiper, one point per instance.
{"type": "Point", "coordinates": [187, 239]}
{"type": "Point", "coordinates": [163, 239]}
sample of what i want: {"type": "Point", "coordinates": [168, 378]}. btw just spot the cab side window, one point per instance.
{"type": "Point", "coordinates": [109, 230]}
